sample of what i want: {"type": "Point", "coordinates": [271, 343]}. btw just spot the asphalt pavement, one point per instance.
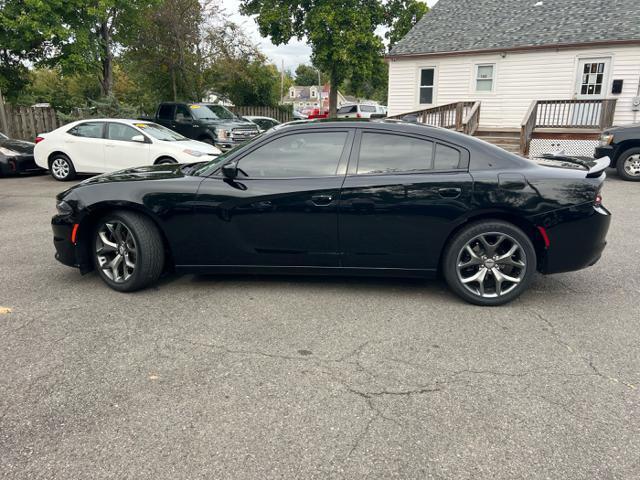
{"type": "Point", "coordinates": [243, 377]}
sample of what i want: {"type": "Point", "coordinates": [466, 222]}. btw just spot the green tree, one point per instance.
{"type": "Point", "coordinates": [63, 92]}
{"type": "Point", "coordinates": [26, 28]}
{"type": "Point", "coordinates": [168, 44]}
{"type": "Point", "coordinates": [341, 33]}
{"type": "Point", "coordinates": [373, 87]}
{"type": "Point", "coordinates": [96, 30]}
{"type": "Point", "coordinates": [235, 67]}
{"type": "Point", "coordinates": [307, 75]}
{"type": "Point", "coordinates": [401, 16]}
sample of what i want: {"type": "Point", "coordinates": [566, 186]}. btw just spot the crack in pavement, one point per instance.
{"type": "Point", "coordinates": [588, 361]}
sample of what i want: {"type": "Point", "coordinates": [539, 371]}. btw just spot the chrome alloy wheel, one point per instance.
{"type": "Point", "coordinates": [116, 251]}
{"type": "Point", "coordinates": [632, 165]}
{"type": "Point", "coordinates": [60, 168]}
{"type": "Point", "coordinates": [491, 264]}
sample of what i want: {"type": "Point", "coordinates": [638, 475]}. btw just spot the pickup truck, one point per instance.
{"type": "Point", "coordinates": [622, 146]}
{"type": "Point", "coordinates": [206, 122]}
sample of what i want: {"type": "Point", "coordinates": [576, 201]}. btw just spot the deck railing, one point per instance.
{"type": "Point", "coordinates": [452, 115]}
{"type": "Point", "coordinates": [572, 114]}
{"type": "Point", "coordinates": [471, 121]}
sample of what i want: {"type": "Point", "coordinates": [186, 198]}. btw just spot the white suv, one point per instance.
{"type": "Point", "coordinates": [357, 111]}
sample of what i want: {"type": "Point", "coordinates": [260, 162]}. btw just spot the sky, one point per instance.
{"type": "Point", "coordinates": [292, 54]}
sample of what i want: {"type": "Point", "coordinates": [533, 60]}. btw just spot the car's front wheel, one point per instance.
{"type": "Point", "coordinates": [489, 262]}
{"type": "Point", "coordinates": [61, 168]}
{"type": "Point", "coordinates": [128, 251]}
{"type": "Point", "coordinates": [628, 165]}
{"type": "Point", "coordinates": [166, 161]}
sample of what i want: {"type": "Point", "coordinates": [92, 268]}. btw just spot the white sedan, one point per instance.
{"type": "Point", "coordinates": [100, 146]}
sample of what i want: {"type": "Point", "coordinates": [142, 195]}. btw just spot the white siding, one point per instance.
{"type": "Point", "coordinates": [520, 77]}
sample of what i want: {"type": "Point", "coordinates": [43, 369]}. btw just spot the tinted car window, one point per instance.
{"type": "Point", "coordinates": [386, 153]}
{"type": "Point", "coordinates": [367, 108]}
{"type": "Point", "coordinates": [348, 109]}
{"type": "Point", "coordinates": [298, 155]}
{"type": "Point", "coordinates": [264, 124]}
{"type": "Point", "coordinates": [447, 158]}
{"type": "Point", "coordinates": [182, 112]}
{"type": "Point", "coordinates": [118, 131]}
{"type": "Point", "coordinates": [165, 112]}
{"type": "Point", "coordinates": [88, 130]}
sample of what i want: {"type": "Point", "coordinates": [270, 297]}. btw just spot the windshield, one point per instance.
{"type": "Point", "coordinates": [211, 112]}
{"type": "Point", "coordinates": [159, 132]}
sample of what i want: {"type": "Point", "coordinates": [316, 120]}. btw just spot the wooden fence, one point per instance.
{"type": "Point", "coordinates": [25, 123]}
{"type": "Point", "coordinates": [282, 114]}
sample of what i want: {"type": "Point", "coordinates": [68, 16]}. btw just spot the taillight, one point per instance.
{"type": "Point", "coordinates": [598, 201]}
{"type": "Point", "coordinates": [39, 139]}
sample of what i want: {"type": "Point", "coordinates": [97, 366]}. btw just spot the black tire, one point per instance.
{"type": "Point", "coordinates": [149, 251]}
{"type": "Point", "coordinates": [456, 251]}
{"type": "Point", "coordinates": [623, 158]}
{"type": "Point", "coordinates": [61, 168]}
{"type": "Point", "coordinates": [166, 161]}
{"type": "Point", "coordinates": [206, 140]}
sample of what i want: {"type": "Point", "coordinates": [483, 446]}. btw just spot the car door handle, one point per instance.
{"type": "Point", "coordinates": [450, 192]}
{"type": "Point", "coordinates": [110, 145]}
{"type": "Point", "coordinates": [322, 200]}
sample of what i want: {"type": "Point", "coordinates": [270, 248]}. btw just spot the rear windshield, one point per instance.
{"type": "Point", "coordinates": [348, 109]}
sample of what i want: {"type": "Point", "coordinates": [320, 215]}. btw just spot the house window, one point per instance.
{"type": "Point", "coordinates": [484, 78]}
{"type": "Point", "coordinates": [592, 78]}
{"type": "Point", "coordinates": [313, 93]}
{"type": "Point", "coordinates": [426, 85]}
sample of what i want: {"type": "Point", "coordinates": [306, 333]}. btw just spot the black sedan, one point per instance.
{"type": "Point", "coordinates": [354, 198]}
{"type": "Point", "coordinates": [16, 156]}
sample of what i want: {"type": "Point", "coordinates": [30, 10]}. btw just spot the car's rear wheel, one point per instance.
{"type": "Point", "coordinates": [628, 165]}
{"type": "Point", "coordinates": [61, 168]}
{"type": "Point", "coordinates": [489, 262]}
{"type": "Point", "coordinates": [128, 251]}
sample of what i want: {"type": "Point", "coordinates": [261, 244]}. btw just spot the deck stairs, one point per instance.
{"type": "Point", "coordinates": [506, 138]}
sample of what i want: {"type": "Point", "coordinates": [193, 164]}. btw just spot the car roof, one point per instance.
{"type": "Point", "coordinates": [259, 117]}
{"type": "Point", "coordinates": [399, 126]}
{"type": "Point", "coordinates": [124, 120]}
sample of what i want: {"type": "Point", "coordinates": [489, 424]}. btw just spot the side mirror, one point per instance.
{"type": "Point", "coordinates": [138, 138]}
{"type": "Point", "coordinates": [230, 170]}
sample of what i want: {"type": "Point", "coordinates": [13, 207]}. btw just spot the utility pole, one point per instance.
{"type": "Point", "coordinates": [4, 126]}
{"type": "Point", "coordinates": [281, 82]}
{"type": "Point", "coordinates": [320, 109]}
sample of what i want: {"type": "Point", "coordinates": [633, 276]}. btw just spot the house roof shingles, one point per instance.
{"type": "Point", "coordinates": [476, 25]}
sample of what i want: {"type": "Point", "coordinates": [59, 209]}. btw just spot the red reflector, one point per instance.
{"type": "Point", "coordinates": [545, 237]}
{"type": "Point", "coordinates": [39, 139]}
{"type": "Point", "coordinates": [74, 233]}
{"type": "Point", "coordinates": [358, 116]}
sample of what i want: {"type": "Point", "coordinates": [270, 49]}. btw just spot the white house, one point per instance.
{"type": "Point", "coordinates": [301, 97]}
{"type": "Point", "coordinates": [514, 56]}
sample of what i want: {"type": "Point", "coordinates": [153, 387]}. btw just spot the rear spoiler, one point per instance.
{"type": "Point", "coordinates": [595, 166]}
